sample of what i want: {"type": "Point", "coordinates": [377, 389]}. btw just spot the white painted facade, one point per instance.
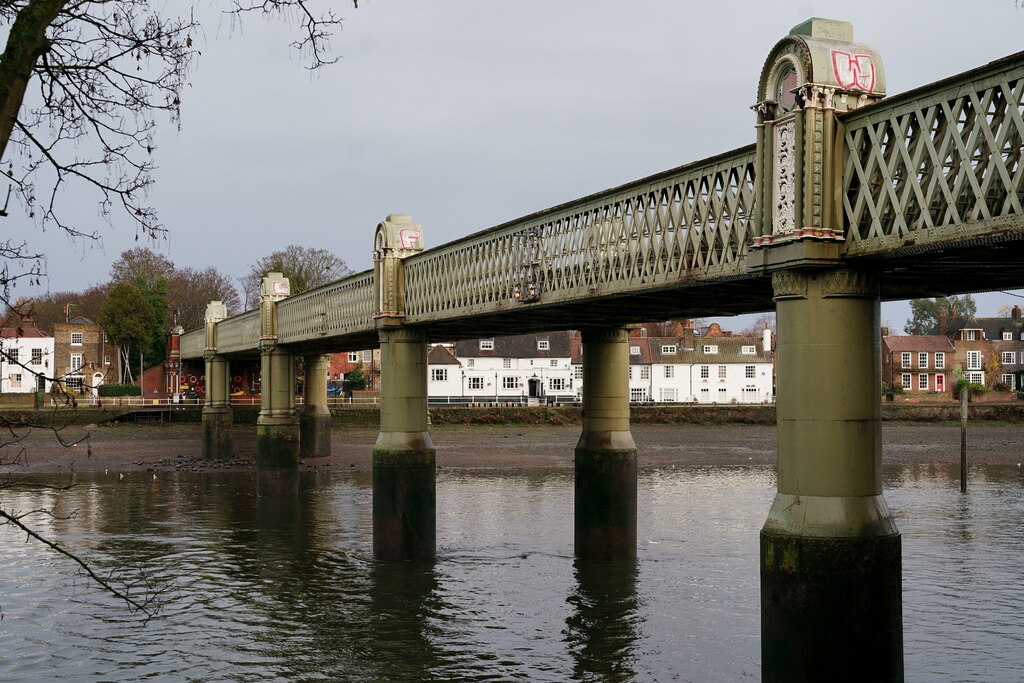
{"type": "Point", "coordinates": [22, 361]}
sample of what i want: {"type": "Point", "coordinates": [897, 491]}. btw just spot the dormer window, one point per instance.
{"type": "Point", "coordinates": [1007, 336]}
{"type": "Point", "coordinates": [543, 345]}
{"type": "Point", "coordinates": [486, 344]}
{"type": "Point", "coordinates": [668, 348]}
{"type": "Point", "coordinates": [968, 335]}
{"type": "Point", "coordinates": [710, 348]}
{"type": "Point", "coordinates": [748, 350]}
{"type": "Point", "coordinates": [634, 350]}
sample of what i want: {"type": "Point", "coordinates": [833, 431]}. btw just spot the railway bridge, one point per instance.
{"type": "Point", "coordinates": [846, 198]}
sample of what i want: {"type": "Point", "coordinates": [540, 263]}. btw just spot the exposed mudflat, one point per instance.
{"type": "Point", "coordinates": [178, 447]}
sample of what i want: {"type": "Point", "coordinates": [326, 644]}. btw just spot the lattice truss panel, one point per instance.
{"type": "Point", "coordinates": [336, 309]}
{"type": "Point", "coordinates": [192, 343]}
{"type": "Point", "coordinates": [936, 160]}
{"type": "Point", "coordinates": [240, 333]}
{"type": "Point", "coordinates": [693, 223]}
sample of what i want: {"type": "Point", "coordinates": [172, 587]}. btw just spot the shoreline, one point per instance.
{"type": "Point", "coordinates": [178, 447]}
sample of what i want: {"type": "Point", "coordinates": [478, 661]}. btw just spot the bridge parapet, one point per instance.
{"type": "Point", "coordinates": [937, 164]}
{"type": "Point", "coordinates": [239, 334]}
{"type": "Point", "coordinates": [339, 308]}
{"type": "Point", "coordinates": [689, 223]}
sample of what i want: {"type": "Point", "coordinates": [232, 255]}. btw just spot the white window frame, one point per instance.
{"type": "Point", "coordinates": [16, 378]}
{"type": "Point", "coordinates": [475, 383]}
{"type": "Point", "coordinates": [1007, 336]}
{"type": "Point", "coordinates": [750, 372]}
{"type": "Point", "coordinates": [37, 357]}
{"type": "Point", "coordinates": [976, 377]}
{"type": "Point", "coordinates": [353, 356]}
{"type": "Point", "coordinates": [470, 362]}
{"type": "Point", "coordinates": [634, 350]}
{"type": "Point", "coordinates": [486, 344]}
{"type": "Point", "coordinates": [670, 371]}
{"type": "Point", "coordinates": [970, 335]}
{"type": "Point", "coordinates": [668, 348]}
{"type": "Point", "coordinates": [543, 345]}
{"type": "Point", "coordinates": [1008, 357]}
{"type": "Point", "coordinates": [368, 356]}
{"type": "Point", "coordinates": [638, 394]}
{"type": "Point", "coordinates": [553, 363]}
{"type": "Point", "coordinates": [922, 360]}
{"type": "Point", "coordinates": [556, 384]}
{"type": "Point", "coordinates": [1007, 379]}
{"type": "Point", "coordinates": [940, 360]}
{"type": "Point", "coordinates": [922, 382]}
{"type": "Point", "coordinates": [74, 383]}
{"type": "Point", "coordinates": [723, 371]}
{"type": "Point", "coordinates": [79, 336]}
{"type": "Point", "coordinates": [509, 382]}
{"type": "Point", "coordinates": [645, 372]}
{"type": "Point", "coordinates": [905, 360]}
{"type": "Point", "coordinates": [905, 380]}
{"type": "Point", "coordinates": [710, 348]}
{"type": "Point", "coordinates": [748, 350]}
{"type": "Point", "coordinates": [974, 360]}
{"type": "Point", "coordinates": [506, 363]}
{"type": "Point", "coordinates": [438, 374]}
{"type": "Point", "coordinates": [577, 372]}
{"type": "Point", "coordinates": [77, 361]}
{"type": "Point", "coordinates": [668, 394]}
{"type": "Point", "coordinates": [705, 372]}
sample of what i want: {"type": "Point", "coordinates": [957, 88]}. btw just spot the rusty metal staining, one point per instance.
{"type": "Point", "coordinates": [922, 166]}
{"type": "Point", "coordinates": [336, 309]}
{"type": "Point", "coordinates": [691, 224]}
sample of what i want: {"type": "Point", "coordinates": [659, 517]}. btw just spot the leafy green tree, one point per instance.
{"type": "Point", "coordinates": [128, 320]}
{"type": "Point", "coordinates": [356, 377]}
{"type": "Point", "coordinates": [305, 268]}
{"type": "Point", "coordinates": [925, 312]}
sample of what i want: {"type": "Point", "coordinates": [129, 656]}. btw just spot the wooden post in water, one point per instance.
{"type": "Point", "coordinates": [964, 396]}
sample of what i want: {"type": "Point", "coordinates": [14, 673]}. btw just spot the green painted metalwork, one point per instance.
{"type": "Point", "coordinates": [940, 163]}
{"type": "Point", "coordinates": [337, 309]}
{"type": "Point", "coordinates": [239, 333]}
{"type": "Point", "coordinates": [691, 223]}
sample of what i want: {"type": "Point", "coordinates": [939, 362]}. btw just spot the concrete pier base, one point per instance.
{"type": "Point", "coordinates": [277, 458]}
{"type": "Point", "coordinates": [404, 499]}
{"type": "Point", "coordinates": [831, 599]}
{"type": "Point", "coordinates": [315, 416]}
{"type": "Point", "coordinates": [605, 462]}
{"type": "Point", "coordinates": [217, 442]}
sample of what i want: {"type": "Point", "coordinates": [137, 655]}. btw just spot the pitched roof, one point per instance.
{"type": "Point", "coordinates": [440, 355]}
{"type": "Point", "coordinates": [992, 327]}
{"type": "Point", "coordinates": [519, 346]}
{"type": "Point", "coordinates": [25, 333]}
{"type": "Point", "coordinates": [917, 342]}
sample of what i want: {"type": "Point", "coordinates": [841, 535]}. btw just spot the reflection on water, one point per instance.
{"type": "Point", "coordinates": [272, 588]}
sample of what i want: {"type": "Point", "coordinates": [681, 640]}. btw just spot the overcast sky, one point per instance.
{"type": "Point", "coordinates": [469, 113]}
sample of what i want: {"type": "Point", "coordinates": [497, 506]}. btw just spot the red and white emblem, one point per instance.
{"type": "Point", "coordinates": [854, 72]}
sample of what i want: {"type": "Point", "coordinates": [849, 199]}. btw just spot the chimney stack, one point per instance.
{"type": "Point", "coordinates": [767, 339]}
{"type": "Point", "coordinates": [1016, 314]}
{"type": "Point", "coordinates": [942, 322]}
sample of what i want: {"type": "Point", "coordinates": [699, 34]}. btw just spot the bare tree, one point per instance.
{"type": "Point", "coordinates": [190, 290]}
{"type": "Point", "coordinates": [82, 84]}
{"type": "Point", "coordinates": [305, 267]}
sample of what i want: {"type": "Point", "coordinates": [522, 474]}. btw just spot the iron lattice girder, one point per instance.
{"type": "Point", "coordinates": [933, 200]}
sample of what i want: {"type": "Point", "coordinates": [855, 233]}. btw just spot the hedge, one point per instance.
{"type": "Point", "coordinates": [119, 390]}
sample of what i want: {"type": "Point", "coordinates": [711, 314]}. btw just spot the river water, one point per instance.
{"type": "Point", "coordinates": [259, 589]}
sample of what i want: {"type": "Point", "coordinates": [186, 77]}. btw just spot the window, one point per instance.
{"type": "Point", "coordinates": [631, 372]}
{"type": "Point", "coordinates": [668, 348]}
{"type": "Point", "coordinates": [553, 363]}
{"type": "Point", "coordinates": [721, 394]}
{"type": "Point", "coordinates": [556, 384]}
{"type": "Point", "coordinates": [73, 383]}
{"type": "Point", "coordinates": [705, 371]}
{"type": "Point", "coordinates": [722, 369]}
{"type": "Point", "coordinates": [1007, 380]}
{"type": "Point", "coordinates": [37, 356]}
{"type": "Point", "coordinates": [486, 344]}
{"type": "Point", "coordinates": [353, 356]}
{"type": "Point", "coordinates": [634, 350]}
{"type": "Point", "coordinates": [976, 377]}
{"type": "Point", "coordinates": [1008, 358]}
{"type": "Point", "coordinates": [970, 335]}
{"type": "Point", "coordinates": [506, 363]}
{"type": "Point", "coordinates": [1007, 336]}
{"type": "Point", "coordinates": [509, 382]}
{"type": "Point", "coordinates": [638, 395]}
{"type": "Point", "coordinates": [76, 362]}
{"type": "Point", "coordinates": [13, 354]}
{"type": "Point", "coordinates": [76, 338]}
{"type": "Point", "coordinates": [476, 382]}
{"type": "Point", "coordinates": [974, 360]}
{"type": "Point", "coordinates": [905, 380]}
{"type": "Point", "coordinates": [922, 360]}
{"type": "Point", "coordinates": [367, 355]}
{"type": "Point", "coordinates": [710, 348]}
{"type": "Point", "coordinates": [438, 374]}
{"type": "Point", "coordinates": [577, 372]}
{"type": "Point", "coordinates": [668, 394]}
{"type": "Point", "coordinates": [543, 345]}
{"type": "Point", "coordinates": [750, 372]}
{"type": "Point", "coordinates": [940, 361]}
{"type": "Point", "coordinates": [922, 382]}
{"type": "Point", "coordinates": [748, 350]}
{"type": "Point", "coordinates": [106, 359]}
{"type": "Point", "coordinates": [905, 357]}
{"type": "Point", "coordinates": [704, 394]}
{"type": "Point", "coordinates": [16, 380]}
{"type": "Point", "coordinates": [670, 371]}
{"type": "Point", "coordinates": [470, 362]}
{"type": "Point", "coordinates": [645, 372]}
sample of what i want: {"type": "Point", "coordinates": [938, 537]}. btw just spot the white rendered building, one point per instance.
{"type": "Point", "coordinates": [26, 360]}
